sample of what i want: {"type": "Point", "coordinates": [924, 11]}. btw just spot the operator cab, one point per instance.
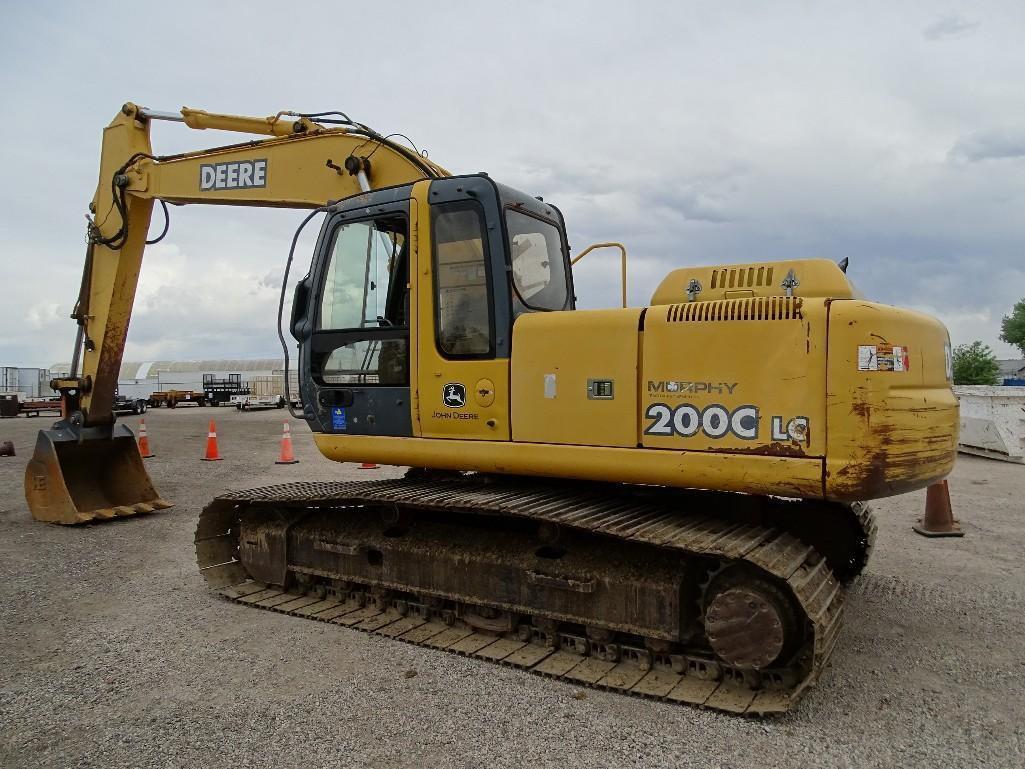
{"type": "Point", "coordinates": [483, 254]}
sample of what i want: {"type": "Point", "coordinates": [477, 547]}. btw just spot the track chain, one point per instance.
{"type": "Point", "coordinates": [622, 513]}
{"type": "Point", "coordinates": [867, 523]}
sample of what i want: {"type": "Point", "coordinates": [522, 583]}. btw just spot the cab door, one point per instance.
{"type": "Point", "coordinates": [462, 329]}
{"type": "Point", "coordinates": [352, 316]}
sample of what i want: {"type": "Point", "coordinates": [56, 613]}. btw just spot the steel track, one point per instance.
{"type": "Point", "coordinates": [660, 518]}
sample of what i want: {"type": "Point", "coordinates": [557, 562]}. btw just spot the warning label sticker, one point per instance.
{"type": "Point", "coordinates": [883, 357]}
{"type": "Point", "coordinates": [338, 420]}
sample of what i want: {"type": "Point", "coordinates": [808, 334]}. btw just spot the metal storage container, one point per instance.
{"type": "Point", "coordinates": [8, 379]}
{"type": "Point", "coordinates": [28, 382]}
{"type": "Point", "coordinates": [992, 421]}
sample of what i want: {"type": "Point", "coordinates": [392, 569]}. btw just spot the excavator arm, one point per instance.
{"type": "Point", "coordinates": [305, 161]}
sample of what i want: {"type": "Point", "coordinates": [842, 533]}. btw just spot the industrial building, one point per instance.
{"type": "Point", "coordinates": [140, 379]}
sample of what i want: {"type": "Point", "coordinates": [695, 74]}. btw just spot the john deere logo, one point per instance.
{"type": "Point", "coordinates": [240, 175]}
{"type": "Point", "coordinates": [454, 395]}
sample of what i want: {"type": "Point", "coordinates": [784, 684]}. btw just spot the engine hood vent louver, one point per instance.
{"type": "Point", "coordinates": [754, 308]}
{"type": "Point", "coordinates": [742, 277]}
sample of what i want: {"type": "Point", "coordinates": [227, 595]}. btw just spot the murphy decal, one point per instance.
{"type": "Point", "coordinates": [238, 175]}
{"type": "Point", "coordinates": [676, 387]}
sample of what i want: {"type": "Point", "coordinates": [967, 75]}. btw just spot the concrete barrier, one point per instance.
{"type": "Point", "coordinates": [992, 421]}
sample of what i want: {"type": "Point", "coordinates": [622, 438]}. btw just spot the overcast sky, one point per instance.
{"type": "Point", "coordinates": [889, 133]}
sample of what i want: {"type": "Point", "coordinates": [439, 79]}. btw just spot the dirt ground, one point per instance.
{"type": "Point", "coordinates": [115, 654]}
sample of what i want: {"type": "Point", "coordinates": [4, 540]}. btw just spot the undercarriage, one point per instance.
{"type": "Point", "coordinates": [726, 601]}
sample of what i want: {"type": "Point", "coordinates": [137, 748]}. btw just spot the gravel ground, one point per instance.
{"type": "Point", "coordinates": [115, 654]}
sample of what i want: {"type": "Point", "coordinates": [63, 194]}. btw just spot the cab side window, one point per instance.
{"type": "Point", "coordinates": [362, 334]}
{"type": "Point", "coordinates": [367, 265]}
{"type": "Point", "coordinates": [462, 310]}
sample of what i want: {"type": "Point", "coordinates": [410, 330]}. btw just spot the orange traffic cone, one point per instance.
{"type": "Point", "coordinates": [212, 454]}
{"type": "Point", "coordinates": [287, 457]}
{"type": "Point", "coordinates": [938, 520]}
{"type": "Point", "coordinates": [144, 441]}
{"type": "Point", "coordinates": [367, 466]}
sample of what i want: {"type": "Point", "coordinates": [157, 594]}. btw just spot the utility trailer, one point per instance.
{"type": "Point", "coordinates": [219, 392]}
{"type": "Point", "coordinates": [274, 385]}
{"type": "Point", "coordinates": [257, 402]}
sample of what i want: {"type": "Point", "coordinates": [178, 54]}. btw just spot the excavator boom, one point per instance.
{"type": "Point", "coordinates": [87, 467]}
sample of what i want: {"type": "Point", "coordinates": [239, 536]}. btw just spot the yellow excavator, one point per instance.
{"type": "Point", "coordinates": [666, 500]}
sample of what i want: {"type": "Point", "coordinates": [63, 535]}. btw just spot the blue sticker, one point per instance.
{"type": "Point", "coordinates": [338, 418]}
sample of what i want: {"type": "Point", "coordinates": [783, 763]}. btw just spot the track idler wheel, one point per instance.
{"type": "Point", "coordinates": [750, 622]}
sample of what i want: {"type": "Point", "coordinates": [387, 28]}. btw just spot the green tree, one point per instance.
{"type": "Point", "coordinates": [975, 364]}
{"type": "Point", "coordinates": [1012, 328]}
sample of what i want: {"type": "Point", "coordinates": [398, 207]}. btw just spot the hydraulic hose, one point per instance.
{"type": "Point", "coordinates": [281, 306]}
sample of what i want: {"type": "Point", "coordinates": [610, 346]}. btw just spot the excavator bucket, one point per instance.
{"type": "Point", "coordinates": [79, 476]}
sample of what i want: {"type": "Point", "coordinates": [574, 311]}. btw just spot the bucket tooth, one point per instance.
{"type": "Point", "coordinates": [77, 475]}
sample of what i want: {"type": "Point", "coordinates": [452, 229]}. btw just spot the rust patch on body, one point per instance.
{"type": "Point", "coordinates": [774, 449]}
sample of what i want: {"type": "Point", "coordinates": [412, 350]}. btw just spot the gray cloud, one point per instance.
{"type": "Point", "coordinates": [694, 135]}
{"type": "Point", "coordinates": [992, 144]}
{"type": "Point", "coordinates": [271, 279]}
{"type": "Point", "coordinates": [952, 25]}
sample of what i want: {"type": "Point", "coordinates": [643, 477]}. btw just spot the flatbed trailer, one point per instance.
{"type": "Point", "coordinates": [174, 398]}
{"type": "Point", "coordinates": [36, 406]}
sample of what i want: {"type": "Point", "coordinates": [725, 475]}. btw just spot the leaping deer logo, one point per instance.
{"type": "Point", "coordinates": [454, 395]}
